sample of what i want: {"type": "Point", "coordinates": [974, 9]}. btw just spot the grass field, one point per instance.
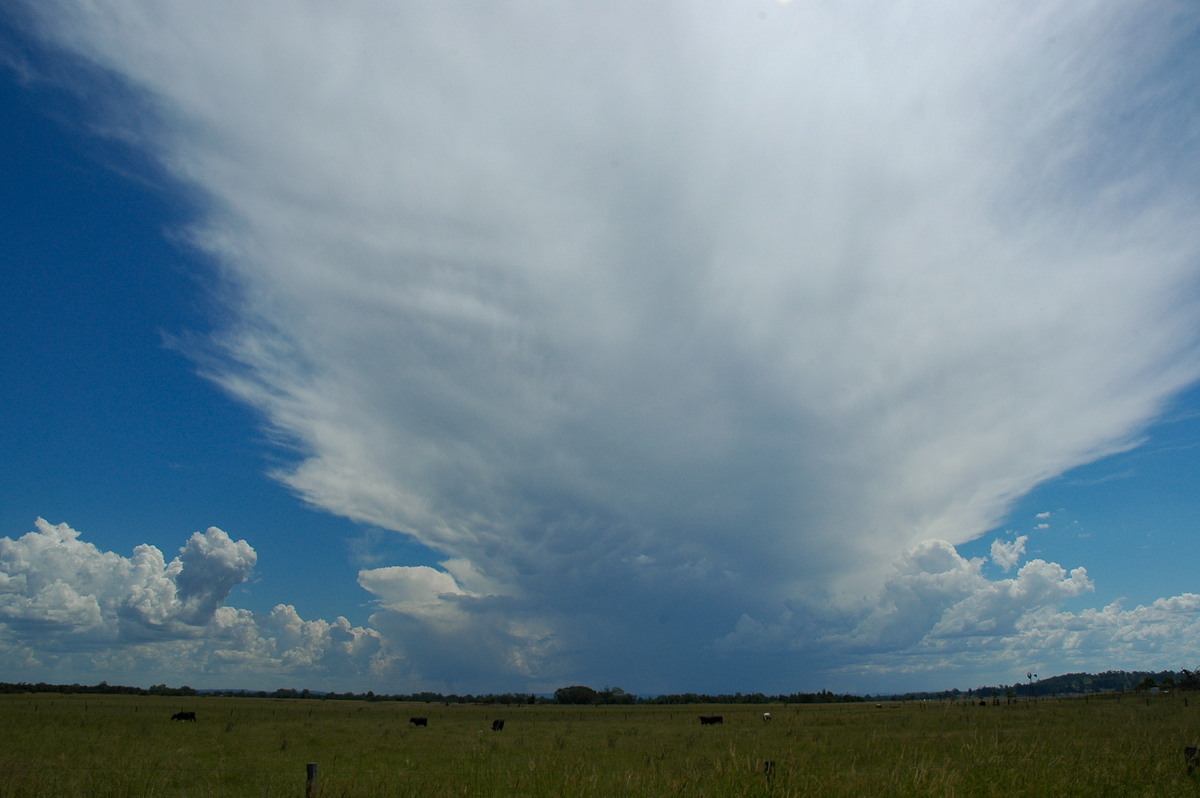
{"type": "Point", "coordinates": [91, 745]}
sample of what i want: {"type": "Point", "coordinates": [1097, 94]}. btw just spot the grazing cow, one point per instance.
{"type": "Point", "coordinates": [766, 717]}
{"type": "Point", "coordinates": [419, 721]}
{"type": "Point", "coordinates": [1192, 755]}
{"type": "Point", "coordinates": [711, 720]}
{"type": "Point", "coordinates": [497, 725]}
{"type": "Point", "coordinates": [184, 716]}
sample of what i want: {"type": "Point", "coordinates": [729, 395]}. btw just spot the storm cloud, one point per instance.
{"type": "Point", "coordinates": [688, 333]}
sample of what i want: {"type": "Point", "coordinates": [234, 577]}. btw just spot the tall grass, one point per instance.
{"type": "Point", "coordinates": [128, 746]}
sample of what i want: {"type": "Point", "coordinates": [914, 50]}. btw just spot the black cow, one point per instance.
{"type": "Point", "coordinates": [711, 720]}
{"type": "Point", "coordinates": [419, 721]}
{"type": "Point", "coordinates": [497, 725]}
{"type": "Point", "coordinates": [184, 716]}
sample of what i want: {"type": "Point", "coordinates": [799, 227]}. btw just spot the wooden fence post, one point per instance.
{"type": "Point", "coordinates": [310, 786]}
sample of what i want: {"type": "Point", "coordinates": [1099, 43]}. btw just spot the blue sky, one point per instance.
{"type": "Point", "coordinates": [758, 346]}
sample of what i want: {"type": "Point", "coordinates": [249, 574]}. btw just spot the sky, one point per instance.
{"type": "Point", "coordinates": [676, 346]}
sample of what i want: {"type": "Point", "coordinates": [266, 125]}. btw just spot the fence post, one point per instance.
{"type": "Point", "coordinates": [310, 787]}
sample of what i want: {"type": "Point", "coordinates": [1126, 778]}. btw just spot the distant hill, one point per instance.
{"type": "Point", "coordinates": [1068, 684]}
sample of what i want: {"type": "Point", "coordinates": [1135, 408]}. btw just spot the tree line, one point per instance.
{"type": "Point", "coordinates": [103, 688]}
{"type": "Point", "coordinates": [575, 695]}
{"type": "Point", "coordinates": [581, 695]}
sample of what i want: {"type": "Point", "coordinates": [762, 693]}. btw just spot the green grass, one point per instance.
{"type": "Point", "coordinates": [128, 746]}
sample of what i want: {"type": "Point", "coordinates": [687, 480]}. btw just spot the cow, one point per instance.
{"type": "Point", "coordinates": [711, 720]}
{"type": "Point", "coordinates": [498, 725]}
{"type": "Point", "coordinates": [766, 717]}
{"type": "Point", "coordinates": [419, 721]}
{"type": "Point", "coordinates": [184, 716]}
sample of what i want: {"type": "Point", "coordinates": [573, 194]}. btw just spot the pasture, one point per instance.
{"type": "Point", "coordinates": [1128, 745]}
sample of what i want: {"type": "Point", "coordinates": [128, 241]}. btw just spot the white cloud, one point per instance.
{"type": "Point", "coordinates": [661, 319]}
{"type": "Point", "coordinates": [68, 588]}
{"type": "Point", "coordinates": [68, 608]}
{"type": "Point", "coordinates": [997, 607]}
{"type": "Point", "coordinates": [417, 590]}
{"type": "Point", "coordinates": [934, 609]}
{"type": "Point", "coordinates": [72, 611]}
{"type": "Point", "coordinates": [1007, 555]}
{"type": "Point", "coordinates": [1162, 634]}
{"type": "Point", "coordinates": [430, 619]}
{"type": "Point", "coordinates": [927, 582]}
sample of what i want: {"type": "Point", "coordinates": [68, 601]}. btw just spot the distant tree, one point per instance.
{"type": "Point", "coordinates": [614, 695]}
{"type": "Point", "coordinates": [576, 694]}
{"type": "Point", "coordinates": [1147, 684]}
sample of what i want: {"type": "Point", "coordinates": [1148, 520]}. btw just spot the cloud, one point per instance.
{"type": "Point", "coordinates": [1163, 630]}
{"type": "Point", "coordinates": [996, 608]}
{"type": "Point", "coordinates": [927, 582]}
{"type": "Point", "coordinates": [419, 590]}
{"type": "Point", "coordinates": [63, 587]}
{"type": "Point", "coordinates": [431, 620]}
{"type": "Point", "coordinates": [72, 612]}
{"type": "Point", "coordinates": [1007, 555]}
{"type": "Point", "coordinates": [934, 610]}
{"type": "Point", "coordinates": [68, 608]}
{"type": "Point", "coordinates": [210, 565]}
{"type": "Point", "coordinates": [657, 320]}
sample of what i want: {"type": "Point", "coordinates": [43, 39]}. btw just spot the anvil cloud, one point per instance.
{"type": "Point", "coordinates": [694, 337]}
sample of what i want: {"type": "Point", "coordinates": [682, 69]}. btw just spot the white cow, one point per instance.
{"type": "Point", "coordinates": [766, 716]}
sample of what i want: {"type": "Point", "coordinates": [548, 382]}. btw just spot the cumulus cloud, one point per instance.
{"type": "Point", "coordinates": [67, 607]}
{"type": "Point", "coordinates": [933, 607]}
{"type": "Point", "coordinates": [431, 620]}
{"type": "Point", "coordinates": [1007, 555]}
{"type": "Point", "coordinates": [62, 586]}
{"type": "Point", "coordinates": [661, 321]}
{"type": "Point", "coordinates": [997, 607]}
